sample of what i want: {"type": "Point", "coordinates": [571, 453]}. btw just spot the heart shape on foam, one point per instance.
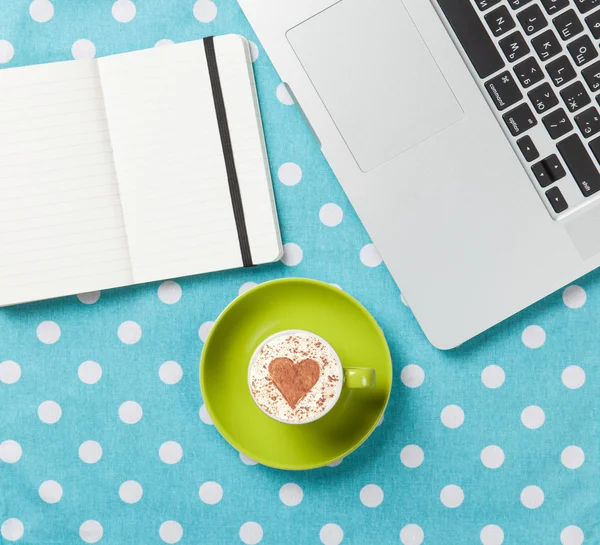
{"type": "Point", "coordinates": [294, 380]}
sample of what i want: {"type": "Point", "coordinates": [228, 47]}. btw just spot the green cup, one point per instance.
{"type": "Point", "coordinates": [354, 378]}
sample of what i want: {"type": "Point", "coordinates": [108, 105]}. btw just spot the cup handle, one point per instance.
{"type": "Point", "coordinates": [359, 377]}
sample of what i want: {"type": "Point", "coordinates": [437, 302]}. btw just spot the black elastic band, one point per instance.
{"type": "Point", "coordinates": [234, 186]}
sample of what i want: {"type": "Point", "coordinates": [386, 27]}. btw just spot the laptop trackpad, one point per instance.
{"type": "Point", "coordinates": [376, 77]}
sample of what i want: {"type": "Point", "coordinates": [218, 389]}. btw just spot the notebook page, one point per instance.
{"type": "Point", "coordinates": [169, 160]}
{"type": "Point", "coordinates": [61, 223]}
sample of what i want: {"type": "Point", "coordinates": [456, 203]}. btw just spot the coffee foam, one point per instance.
{"type": "Point", "coordinates": [296, 347]}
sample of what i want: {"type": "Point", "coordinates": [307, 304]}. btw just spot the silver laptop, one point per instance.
{"type": "Point", "coordinates": [466, 133]}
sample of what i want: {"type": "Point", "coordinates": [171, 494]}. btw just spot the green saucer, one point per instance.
{"type": "Point", "coordinates": [293, 303]}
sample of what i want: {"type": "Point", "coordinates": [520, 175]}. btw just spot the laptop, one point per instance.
{"type": "Point", "coordinates": [466, 134]}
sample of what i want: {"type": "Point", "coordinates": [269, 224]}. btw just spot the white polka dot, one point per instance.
{"type": "Point", "coordinates": [412, 456]}
{"type": "Point", "coordinates": [91, 531]}
{"type": "Point", "coordinates": [12, 529]}
{"type": "Point", "coordinates": [89, 372]}
{"type": "Point", "coordinates": [90, 297]}
{"type": "Point", "coordinates": [49, 412]}
{"type": "Point", "coordinates": [492, 457]}
{"type": "Point", "coordinates": [211, 492]}
{"type": "Point", "coordinates": [574, 297]}
{"type": "Point", "coordinates": [533, 417]}
{"type": "Point", "coordinates": [205, 11]}
{"type": "Point", "coordinates": [493, 376]}
{"type": "Point", "coordinates": [283, 95]}
{"type": "Point", "coordinates": [292, 254]}
{"type": "Point", "coordinates": [533, 336]}
{"type": "Point", "coordinates": [336, 463]}
{"type": "Point", "coordinates": [381, 419]}
{"type": "Point", "coordinates": [573, 377]}
{"type": "Point", "coordinates": [90, 452]}
{"type": "Point", "coordinates": [130, 332]}
{"type": "Point", "coordinates": [572, 535]}
{"type": "Point", "coordinates": [532, 497]}
{"type": "Point", "coordinates": [170, 452]}
{"type": "Point", "coordinates": [289, 174]}
{"type": "Point", "coordinates": [254, 52]}
{"type": "Point", "coordinates": [251, 533]}
{"type": "Point", "coordinates": [331, 534]}
{"type": "Point", "coordinates": [247, 460]}
{"type": "Point", "coordinates": [204, 416]}
{"type": "Point", "coordinates": [572, 457]}
{"type": "Point", "coordinates": [123, 11]}
{"type": "Point", "coordinates": [131, 491]}
{"type": "Point", "coordinates": [130, 412]}
{"type": "Point", "coordinates": [48, 332]}
{"type": "Point", "coordinates": [170, 531]}
{"type": "Point", "coordinates": [10, 372]}
{"type": "Point", "coordinates": [412, 534]}
{"type": "Point", "coordinates": [291, 494]}
{"type": "Point", "coordinates": [164, 42]}
{"type": "Point", "coordinates": [403, 299]}
{"type": "Point", "coordinates": [412, 376]}
{"type": "Point", "coordinates": [10, 451]}
{"type": "Point", "coordinates": [170, 372]}
{"type": "Point", "coordinates": [204, 330]}
{"type": "Point", "coordinates": [41, 11]}
{"type": "Point", "coordinates": [83, 49]}
{"type": "Point", "coordinates": [336, 286]}
{"type": "Point", "coordinates": [370, 256]}
{"type": "Point", "coordinates": [331, 214]}
{"type": "Point", "coordinates": [452, 496]}
{"type": "Point", "coordinates": [50, 491]}
{"type": "Point", "coordinates": [246, 286]}
{"type": "Point", "coordinates": [491, 535]}
{"type": "Point", "coordinates": [169, 292]}
{"type": "Point", "coordinates": [452, 416]}
{"type": "Point", "coordinates": [7, 51]}
{"type": "Point", "coordinates": [371, 495]}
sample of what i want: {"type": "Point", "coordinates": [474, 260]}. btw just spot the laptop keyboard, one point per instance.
{"type": "Point", "coordinates": [538, 62]}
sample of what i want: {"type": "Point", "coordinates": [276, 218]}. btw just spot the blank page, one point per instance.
{"type": "Point", "coordinates": [169, 160]}
{"type": "Point", "coordinates": [61, 222]}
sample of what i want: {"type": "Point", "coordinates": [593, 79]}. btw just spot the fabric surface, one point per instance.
{"type": "Point", "coordinates": [103, 435]}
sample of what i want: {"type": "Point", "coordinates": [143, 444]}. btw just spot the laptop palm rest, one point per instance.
{"type": "Point", "coordinates": [375, 76]}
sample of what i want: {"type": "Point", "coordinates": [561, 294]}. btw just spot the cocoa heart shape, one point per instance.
{"type": "Point", "coordinates": [294, 380]}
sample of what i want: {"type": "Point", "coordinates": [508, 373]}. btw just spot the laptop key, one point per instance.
{"type": "Point", "coordinates": [514, 46]}
{"type": "Point", "coordinates": [568, 24]}
{"type": "Point", "coordinates": [557, 123]}
{"type": "Point", "coordinates": [503, 90]}
{"type": "Point", "coordinates": [532, 19]}
{"type": "Point", "coordinates": [554, 167]}
{"type": "Point", "coordinates": [546, 45]}
{"type": "Point", "coordinates": [500, 21]}
{"type": "Point", "coordinates": [520, 119]}
{"type": "Point", "coordinates": [543, 98]}
{"type": "Point", "coordinates": [561, 71]}
{"type": "Point", "coordinates": [486, 4]}
{"type": "Point", "coordinates": [473, 36]}
{"type": "Point", "coordinates": [529, 72]}
{"type": "Point", "coordinates": [588, 122]}
{"type": "Point", "coordinates": [556, 199]}
{"type": "Point", "coordinates": [580, 164]}
{"type": "Point", "coordinates": [593, 23]}
{"type": "Point", "coordinates": [516, 4]}
{"type": "Point", "coordinates": [575, 96]}
{"type": "Point", "coordinates": [586, 5]}
{"type": "Point", "coordinates": [582, 50]}
{"type": "Point", "coordinates": [528, 148]}
{"type": "Point", "coordinates": [595, 147]}
{"type": "Point", "coordinates": [541, 174]}
{"type": "Point", "coordinates": [554, 6]}
{"type": "Point", "coordinates": [591, 75]}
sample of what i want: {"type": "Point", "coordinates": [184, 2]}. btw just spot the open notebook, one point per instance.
{"type": "Point", "coordinates": [132, 168]}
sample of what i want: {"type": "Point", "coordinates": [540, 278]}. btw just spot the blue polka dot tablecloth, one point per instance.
{"type": "Point", "coordinates": [103, 434]}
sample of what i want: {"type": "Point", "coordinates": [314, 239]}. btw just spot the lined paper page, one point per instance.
{"type": "Point", "coordinates": [169, 160]}
{"type": "Point", "coordinates": [61, 223]}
